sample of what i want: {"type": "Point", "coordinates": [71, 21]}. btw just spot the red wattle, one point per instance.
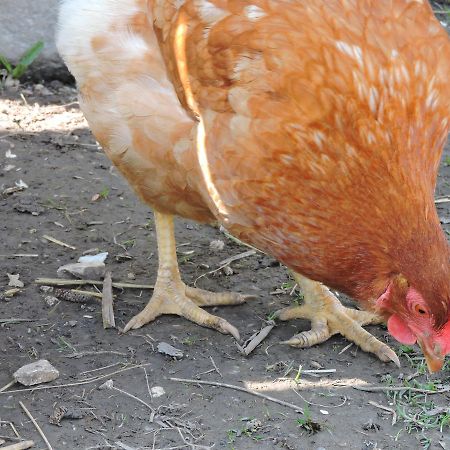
{"type": "Point", "coordinates": [398, 328]}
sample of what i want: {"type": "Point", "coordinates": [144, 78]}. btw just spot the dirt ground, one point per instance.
{"type": "Point", "coordinates": [55, 181]}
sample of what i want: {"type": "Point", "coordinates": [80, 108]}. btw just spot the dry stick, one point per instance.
{"type": "Point", "coordinates": [107, 302]}
{"type": "Point", "coordinates": [215, 366]}
{"type": "Point", "coordinates": [442, 200]}
{"type": "Point", "coordinates": [400, 388]}
{"type": "Point", "coordinates": [56, 241]}
{"type": "Point", "coordinates": [19, 446]}
{"type": "Point", "coordinates": [142, 402]}
{"type": "Point", "coordinates": [78, 383]}
{"type": "Point", "coordinates": [38, 428]}
{"type": "Point", "coordinates": [225, 263]}
{"type": "Point", "coordinates": [62, 282]}
{"type": "Point", "coordinates": [7, 386]}
{"type": "Point", "coordinates": [17, 320]}
{"type": "Point", "coordinates": [78, 355]}
{"type": "Point", "coordinates": [237, 257]}
{"type": "Point", "coordinates": [239, 388]}
{"type": "Point", "coordinates": [20, 255]}
{"type": "Point", "coordinates": [385, 408]}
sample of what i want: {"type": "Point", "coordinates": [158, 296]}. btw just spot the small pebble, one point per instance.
{"type": "Point", "coordinates": [216, 245]}
{"type": "Point", "coordinates": [169, 350]}
{"type": "Point", "coordinates": [51, 300]}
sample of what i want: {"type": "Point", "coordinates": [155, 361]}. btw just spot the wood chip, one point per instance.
{"type": "Point", "coordinates": [107, 302]}
{"type": "Point", "coordinates": [255, 340]}
{"type": "Point", "coordinates": [56, 241]}
{"type": "Point", "coordinates": [19, 446]}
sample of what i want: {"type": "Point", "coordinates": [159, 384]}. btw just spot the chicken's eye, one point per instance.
{"type": "Point", "coordinates": [420, 310]}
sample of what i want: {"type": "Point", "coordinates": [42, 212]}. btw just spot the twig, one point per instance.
{"type": "Point", "coordinates": [225, 263]}
{"type": "Point", "coordinates": [318, 404]}
{"type": "Point", "coordinates": [62, 282]}
{"type": "Point", "coordinates": [7, 386]}
{"type": "Point", "coordinates": [215, 366]}
{"type": "Point", "coordinates": [56, 241]}
{"type": "Point", "coordinates": [135, 398]}
{"type": "Point", "coordinates": [78, 383]}
{"type": "Point", "coordinates": [17, 320]}
{"type": "Point", "coordinates": [400, 388]}
{"type": "Point", "coordinates": [19, 446]}
{"type": "Point", "coordinates": [78, 355]}
{"type": "Point", "coordinates": [38, 428]}
{"type": "Point", "coordinates": [345, 348]}
{"type": "Point", "coordinates": [385, 408]}
{"type": "Point", "coordinates": [237, 257]}
{"type": "Point", "coordinates": [148, 385]}
{"type": "Point", "coordinates": [99, 368]}
{"type": "Point", "coordinates": [191, 445]}
{"type": "Point", "coordinates": [235, 239]}
{"type": "Point", "coordinates": [445, 199]}
{"type": "Point", "coordinates": [107, 302]}
{"type": "Point", "coordinates": [239, 388]}
{"type": "Point", "coordinates": [255, 340]}
{"type": "Point", "coordinates": [20, 255]}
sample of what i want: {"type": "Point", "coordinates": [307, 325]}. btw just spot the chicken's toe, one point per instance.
{"type": "Point", "coordinates": [329, 317]}
{"type": "Point", "coordinates": [206, 298]}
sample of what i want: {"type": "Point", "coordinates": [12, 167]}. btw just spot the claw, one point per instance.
{"type": "Point", "coordinates": [133, 324]}
{"type": "Point", "coordinates": [295, 341]}
{"type": "Point", "coordinates": [226, 328]}
{"type": "Point", "coordinates": [386, 354]}
{"type": "Point", "coordinates": [246, 297]}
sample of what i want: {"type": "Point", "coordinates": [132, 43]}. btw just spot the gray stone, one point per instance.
{"type": "Point", "coordinates": [38, 372]}
{"type": "Point", "coordinates": [51, 300]}
{"type": "Point", "coordinates": [216, 245]}
{"type": "Point", "coordinates": [169, 350]}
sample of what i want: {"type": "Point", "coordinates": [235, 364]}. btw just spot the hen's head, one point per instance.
{"type": "Point", "coordinates": [414, 318]}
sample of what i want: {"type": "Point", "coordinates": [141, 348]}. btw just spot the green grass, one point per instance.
{"type": "Point", "coordinates": [307, 424]}
{"type": "Point", "coordinates": [420, 412]}
{"type": "Point", "coordinates": [25, 61]}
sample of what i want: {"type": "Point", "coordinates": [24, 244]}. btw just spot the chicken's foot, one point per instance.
{"type": "Point", "coordinates": [328, 317]}
{"type": "Point", "coordinates": [172, 296]}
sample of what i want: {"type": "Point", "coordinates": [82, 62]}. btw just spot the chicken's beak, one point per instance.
{"type": "Point", "coordinates": [433, 355]}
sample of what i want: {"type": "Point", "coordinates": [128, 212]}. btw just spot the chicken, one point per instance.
{"type": "Point", "coordinates": [310, 130]}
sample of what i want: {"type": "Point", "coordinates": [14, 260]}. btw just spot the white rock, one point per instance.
{"type": "Point", "coordinates": [157, 391]}
{"type": "Point", "coordinates": [99, 258]}
{"type": "Point", "coordinates": [14, 281]}
{"type": "Point", "coordinates": [38, 372]}
{"type": "Point", "coordinates": [107, 385]}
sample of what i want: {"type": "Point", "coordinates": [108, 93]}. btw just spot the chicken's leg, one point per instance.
{"type": "Point", "coordinates": [172, 296]}
{"type": "Point", "coordinates": [329, 317]}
